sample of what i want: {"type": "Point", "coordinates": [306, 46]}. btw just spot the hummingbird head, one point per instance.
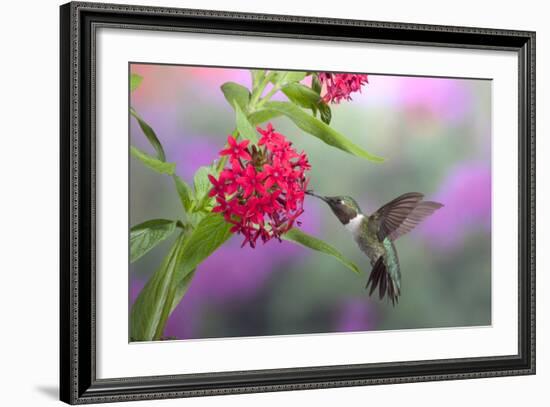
{"type": "Point", "coordinates": [344, 207]}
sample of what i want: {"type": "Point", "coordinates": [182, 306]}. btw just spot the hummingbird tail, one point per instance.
{"type": "Point", "coordinates": [381, 278]}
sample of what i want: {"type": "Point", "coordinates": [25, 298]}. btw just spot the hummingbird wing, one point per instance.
{"type": "Point", "coordinates": [390, 216]}
{"type": "Point", "coordinates": [391, 221]}
{"type": "Point", "coordinates": [417, 215]}
{"type": "Point", "coordinates": [401, 215]}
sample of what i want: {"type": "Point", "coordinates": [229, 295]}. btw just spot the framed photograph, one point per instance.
{"type": "Point", "coordinates": [255, 203]}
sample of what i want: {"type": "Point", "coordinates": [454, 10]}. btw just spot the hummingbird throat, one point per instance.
{"type": "Point", "coordinates": [354, 224]}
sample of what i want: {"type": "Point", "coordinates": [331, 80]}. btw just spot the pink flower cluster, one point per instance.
{"type": "Point", "coordinates": [261, 192]}
{"type": "Point", "coordinates": [340, 85]}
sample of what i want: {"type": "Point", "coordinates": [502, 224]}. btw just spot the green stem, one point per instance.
{"type": "Point", "coordinates": [267, 97]}
{"type": "Point", "coordinates": [183, 226]}
{"type": "Point", "coordinates": [257, 92]}
{"type": "Point", "coordinates": [170, 285]}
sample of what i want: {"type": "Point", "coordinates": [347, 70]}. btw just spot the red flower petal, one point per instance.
{"type": "Point", "coordinates": [231, 141]}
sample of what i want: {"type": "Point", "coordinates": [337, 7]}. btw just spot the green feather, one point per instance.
{"type": "Point", "coordinates": [392, 262]}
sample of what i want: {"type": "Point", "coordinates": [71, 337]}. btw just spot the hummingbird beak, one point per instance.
{"type": "Point", "coordinates": [310, 192]}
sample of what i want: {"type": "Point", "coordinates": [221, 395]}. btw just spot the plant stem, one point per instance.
{"type": "Point", "coordinates": [183, 226]}
{"type": "Point", "coordinates": [269, 95]}
{"type": "Point", "coordinates": [257, 92]}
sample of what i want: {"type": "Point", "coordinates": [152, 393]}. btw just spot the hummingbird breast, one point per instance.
{"type": "Point", "coordinates": [371, 246]}
{"type": "Point", "coordinates": [367, 239]}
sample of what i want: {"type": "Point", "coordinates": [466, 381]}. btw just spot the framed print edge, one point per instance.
{"type": "Point", "coordinates": [78, 381]}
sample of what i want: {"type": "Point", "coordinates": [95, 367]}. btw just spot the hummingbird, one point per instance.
{"type": "Point", "coordinates": [375, 234]}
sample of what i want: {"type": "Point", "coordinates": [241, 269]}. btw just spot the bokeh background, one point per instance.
{"type": "Point", "coordinates": [435, 134]}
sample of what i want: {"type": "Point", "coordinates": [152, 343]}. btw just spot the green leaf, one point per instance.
{"type": "Point", "coordinates": [203, 186]}
{"type": "Point", "coordinates": [294, 76]}
{"type": "Point", "coordinates": [147, 312]}
{"type": "Point", "coordinates": [135, 81]}
{"type": "Point", "coordinates": [151, 162]}
{"type": "Point", "coordinates": [201, 183]}
{"type": "Point", "coordinates": [236, 94]}
{"type": "Point", "coordinates": [325, 111]}
{"type": "Point", "coordinates": [320, 130]}
{"type": "Point", "coordinates": [211, 232]}
{"type": "Point", "coordinates": [262, 116]}
{"type": "Point", "coordinates": [316, 85]}
{"type": "Point", "coordinates": [283, 78]}
{"type": "Point", "coordinates": [194, 218]}
{"type": "Point", "coordinates": [245, 128]}
{"type": "Point", "coordinates": [297, 236]}
{"type": "Point", "coordinates": [146, 235]}
{"type": "Point", "coordinates": [302, 95]}
{"type": "Point", "coordinates": [150, 134]}
{"type": "Point", "coordinates": [181, 289]}
{"type": "Point", "coordinates": [185, 193]}
{"type": "Point", "coordinates": [167, 286]}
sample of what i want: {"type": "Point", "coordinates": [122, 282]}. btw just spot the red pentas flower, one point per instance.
{"type": "Point", "coordinates": [261, 192]}
{"type": "Point", "coordinates": [236, 150]}
{"type": "Point", "coordinates": [340, 85]}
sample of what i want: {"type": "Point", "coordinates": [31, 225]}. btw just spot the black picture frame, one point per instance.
{"type": "Point", "coordinates": [78, 382]}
